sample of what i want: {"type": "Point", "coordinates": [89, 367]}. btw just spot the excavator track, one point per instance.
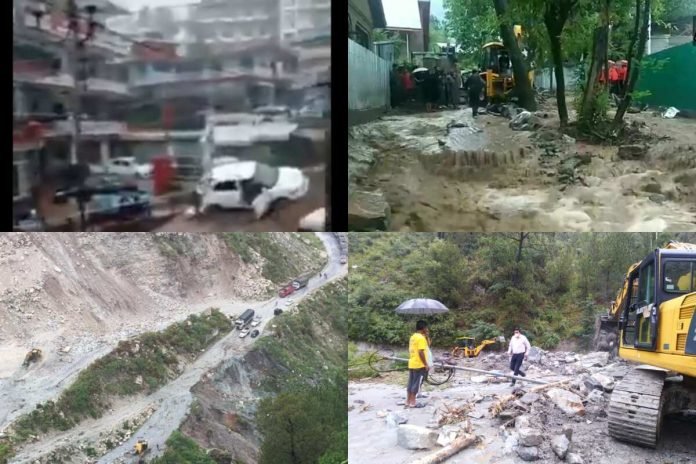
{"type": "Point", "coordinates": [635, 409]}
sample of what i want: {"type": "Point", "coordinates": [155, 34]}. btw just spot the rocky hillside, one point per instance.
{"type": "Point", "coordinates": [303, 350]}
{"type": "Point", "coordinates": [65, 284]}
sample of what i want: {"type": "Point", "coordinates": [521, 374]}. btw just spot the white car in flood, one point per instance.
{"type": "Point", "coordinates": [250, 185]}
{"type": "Point", "coordinates": [123, 166]}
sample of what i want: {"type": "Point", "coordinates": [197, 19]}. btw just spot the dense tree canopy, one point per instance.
{"type": "Point", "coordinates": [550, 284]}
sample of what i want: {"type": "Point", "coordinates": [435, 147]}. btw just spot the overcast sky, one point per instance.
{"type": "Point", "coordinates": [135, 5]}
{"type": "Point", "coordinates": [437, 9]}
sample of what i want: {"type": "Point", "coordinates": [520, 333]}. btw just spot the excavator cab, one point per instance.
{"type": "Point", "coordinates": [656, 312]}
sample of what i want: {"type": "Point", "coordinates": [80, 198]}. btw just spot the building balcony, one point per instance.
{"type": "Point", "coordinates": [235, 19]}
{"type": "Point", "coordinates": [43, 73]}
{"type": "Point", "coordinates": [260, 72]}
{"type": "Point", "coordinates": [53, 28]}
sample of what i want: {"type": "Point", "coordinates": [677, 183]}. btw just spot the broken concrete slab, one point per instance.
{"type": "Point", "coordinates": [606, 382]}
{"type": "Point", "coordinates": [530, 436]}
{"type": "Point", "coordinates": [415, 437]}
{"type": "Point", "coordinates": [568, 402]}
{"type": "Point", "coordinates": [368, 211]}
{"type": "Point", "coordinates": [559, 445]}
{"type": "Point", "coordinates": [574, 458]}
{"type": "Point", "coordinates": [596, 359]}
{"type": "Point", "coordinates": [528, 453]}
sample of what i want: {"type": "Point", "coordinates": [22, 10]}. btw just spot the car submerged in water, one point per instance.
{"type": "Point", "coordinates": [250, 185]}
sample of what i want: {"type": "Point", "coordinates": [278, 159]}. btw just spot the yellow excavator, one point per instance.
{"type": "Point", "coordinates": [653, 322]}
{"type": "Point", "coordinates": [140, 449]}
{"type": "Point", "coordinates": [466, 347]}
{"type": "Point", "coordinates": [496, 68]}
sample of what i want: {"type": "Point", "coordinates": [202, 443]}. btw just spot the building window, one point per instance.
{"type": "Point", "coordinates": [247, 62]}
{"type": "Point", "coordinates": [361, 36]}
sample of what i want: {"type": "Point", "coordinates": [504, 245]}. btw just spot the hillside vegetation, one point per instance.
{"type": "Point", "coordinates": [139, 365]}
{"type": "Point", "coordinates": [280, 253]}
{"type": "Point", "coordinates": [552, 285]}
{"type": "Point", "coordinates": [306, 421]}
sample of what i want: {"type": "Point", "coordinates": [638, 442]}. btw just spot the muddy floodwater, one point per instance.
{"type": "Point", "coordinates": [448, 171]}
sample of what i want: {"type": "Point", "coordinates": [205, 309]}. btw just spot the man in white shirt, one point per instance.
{"type": "Point", "coordinates": [519, 347]}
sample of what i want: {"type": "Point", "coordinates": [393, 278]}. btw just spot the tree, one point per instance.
{"type": "Point", "coordinates": [438, 33]}
{"type": "Point", "coordinates": [592, 111]}
{"type": "Point", "coordinates": [303, 426]}
{"type": "Point", "coordinates": [556, 13]}
{"type": "Point", "coordinates": [634, 64]}
{"type": "Point", "coordinates": [523, 87]}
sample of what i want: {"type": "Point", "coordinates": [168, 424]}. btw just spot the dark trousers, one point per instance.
{"type": "Point", "coordinates": [474, 102]}
{"type": "Point", "coordinates": [516, 365]}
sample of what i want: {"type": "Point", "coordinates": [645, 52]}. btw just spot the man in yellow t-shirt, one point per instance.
{"type": "Point", "coordinates": [417, 363]}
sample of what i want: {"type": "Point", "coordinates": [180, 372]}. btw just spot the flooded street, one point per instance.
{"type": "Point", "coordinates": [447, 171]}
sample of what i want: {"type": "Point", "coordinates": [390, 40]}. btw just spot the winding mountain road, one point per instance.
{"type": "Point", "coordinates": [172, 401]}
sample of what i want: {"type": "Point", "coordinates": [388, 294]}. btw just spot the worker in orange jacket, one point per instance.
{"type": "Point", "coordinates": [613, 78]}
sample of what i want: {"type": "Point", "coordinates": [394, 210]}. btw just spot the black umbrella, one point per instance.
{"type": "Point", "coordinates": [421, 306]}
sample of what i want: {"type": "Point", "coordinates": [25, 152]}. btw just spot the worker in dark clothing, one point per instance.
{"type": "Point", "coordinates": [474, 85]}
{"type": "Point", "coordinates": [394, 89]}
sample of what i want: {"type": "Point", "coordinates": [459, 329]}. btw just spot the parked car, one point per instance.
{"type": "Point", "coordinates": [250, 185]}
{"type": "Point", "coordinates": [254, 333]}
{"type": "Point", "coordinates": [126, 166]}
{"type": "Point", "coordinates": [256, 322]}
{"type": "Point", "coordinates": [244, 333]}
{"type": "Point", "coordinates": [344, 260]}
{"type": "Point", "coordinates": [277, 312]}
{"type": "Point", "coordinates": [112, 198]}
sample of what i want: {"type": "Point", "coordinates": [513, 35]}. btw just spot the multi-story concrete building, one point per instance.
{"type": "Point", "coordinates": [304, 19]}
{"type": "Point", "coordinates": [44, 88]}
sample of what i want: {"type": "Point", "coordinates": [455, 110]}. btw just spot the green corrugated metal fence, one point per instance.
{"type": "Point", "coordinates": [674, 82]}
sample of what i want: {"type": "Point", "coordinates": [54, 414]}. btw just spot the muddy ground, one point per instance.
{"type": "Point", "coordinates": [286, 217]}
{"type": "Point", "coordinates": [372, 402]}
{"type": "Point", "coordinates": [448, 171]}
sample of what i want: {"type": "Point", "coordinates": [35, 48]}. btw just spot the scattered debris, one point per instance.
{"type": "Point", "coordinates": [528, 453]}
{"type": "Point", "coordinates": [632, 152]}
{"type": "Point", "coordinates": [454, 414]}
{"type": "Point", "coordinates": [670, 112]}
{"type": "Point", "coordinates": [456, 446]}
{"type": "Point", "coordinates": [568, 402]}
{"type": "Point", "coordinates": [525, 121]}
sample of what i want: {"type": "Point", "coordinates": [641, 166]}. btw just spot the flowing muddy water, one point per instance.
{"type": "Point", "coordinates": [448, 171]}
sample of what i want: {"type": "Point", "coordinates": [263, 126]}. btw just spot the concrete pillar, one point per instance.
{"type": "Point", "coordinates": [104, 151]}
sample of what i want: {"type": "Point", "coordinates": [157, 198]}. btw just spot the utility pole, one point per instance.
{"type": "Point", "coordinates": [74, 48]}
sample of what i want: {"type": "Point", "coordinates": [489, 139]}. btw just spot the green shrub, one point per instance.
{"type": "Point", "coordinates": [183, 450]}
{"type": "Point", "coordinates": [115, 373]}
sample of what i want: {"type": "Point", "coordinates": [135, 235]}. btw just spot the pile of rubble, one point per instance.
{"type": "Point", "coordinates": [535, 422]}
